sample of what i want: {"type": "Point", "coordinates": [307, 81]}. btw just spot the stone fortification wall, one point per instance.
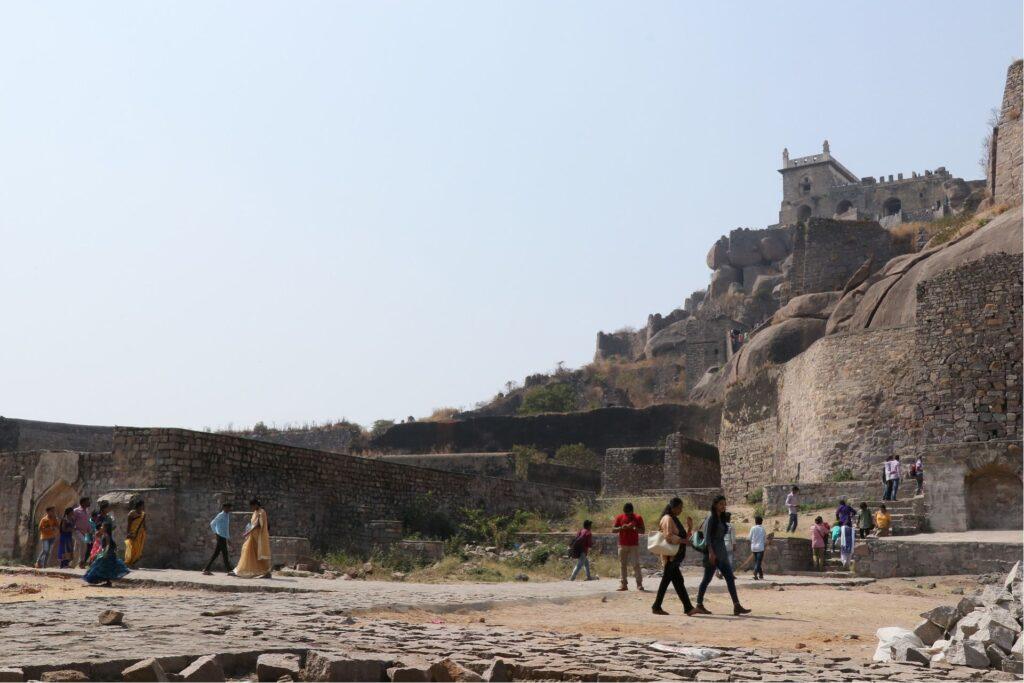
{"type": "Point", "coordinates": [821, 494]}
{"type": "Point", "coordinates": [974, 485]}
{"type": "Point", "coordinates": [598, 430]}
{"type": "Point", "coordinates": [691, 464]}
{"type": "Point", "coordinates": [884, 558]}
{"type": "Point", "coordinates": [327, 498]}
{"type": "Point", "coordinates": [840, 405]}
{"type": "Point", "coordinates": [30, 435]}
{"type": "Point", "coordinates": [827, 252]}
{"type": "Point", "coordinates": [330, 439]}
{"type": "Point", "coordinates": [682, 463]}
{"type": "Point", "coordinates": [632, 470]}
{"type": "Point", "coordinates": [503, 465]}
{"type": "Point", "coordinates": [1005, 175]}
{"type": "Point", "coordinates": [968, 344]}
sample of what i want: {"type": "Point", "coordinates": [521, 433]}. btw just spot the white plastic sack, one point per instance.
{"type": "Point", "coordinates": [889, 636]}
{"type": "Point", "coordinates": [701, 654]}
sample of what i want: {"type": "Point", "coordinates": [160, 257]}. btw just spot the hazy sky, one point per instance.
{"type": "Point", "coordinates": [217, 213]}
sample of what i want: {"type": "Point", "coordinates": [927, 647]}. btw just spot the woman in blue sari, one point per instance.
{"type": "Point", "coordinates": [107, 566]}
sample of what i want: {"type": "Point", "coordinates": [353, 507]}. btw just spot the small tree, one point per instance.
{"type": "Point", "coordinates": [550, 398]}
{"type": "Point", "coordinates": [523, 456]}
{"type": "Point", "coordinates": [577, 455]}
{"type": "Point", "coordinates": [379, 427]}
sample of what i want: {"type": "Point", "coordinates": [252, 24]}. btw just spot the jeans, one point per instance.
{"type": "Point", "coordinates": [46, 545]}
{"type": "Point", "coordinates": [222, 548]}
{"type": "Point", "coordinates": [758, 557]}
{"type": "Point", "coordinates": [791, 526]}
{"type": "Point", "coordinates": [582, 563]}
{"type": "Point", "coordinates": [674, 575]}
{"type": "Point", "coordinates": [66, 550]}
{"type": "Point", "coordinates": [894, 486]}
{"type": "Point", "coordinates": [629, 556]}
{"type": "Point", "coordinates": [920, 483]}
{"type": "Point", "coordinates": [723, 566]}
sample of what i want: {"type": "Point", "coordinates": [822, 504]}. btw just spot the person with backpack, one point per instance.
{"type": "Point", "coordinates": [674, 533]}
{"type": "Point", "coordinates": [580, 549]}
{"type": "Point", "coordinates": [717, 557]}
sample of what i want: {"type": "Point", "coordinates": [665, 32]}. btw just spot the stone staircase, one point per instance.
{"type": "Point", "coordinates": [908, 516]}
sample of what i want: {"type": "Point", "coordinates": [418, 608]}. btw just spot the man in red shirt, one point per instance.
{"type": "Point", "coordinates": [629, 526]}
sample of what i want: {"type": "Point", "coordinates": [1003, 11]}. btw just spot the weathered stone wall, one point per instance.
{"type": "Point", "coordinates": [888, 557]}
{"type": "Point", "coordinates": [821, 494]}
{"type": "Point", "coordinates": [969, 347]}
{"type": "Point", "coordinates": [706, 345]}
{"type": "Point", "coordinates": [974, 485]}
{"type": "Point", "coordinates": [598, 430]}
{"type": "Point", "coordinates": [827, 252]}
{"type": "Point", "coordinates": [31, 435]}
{"type": "Point", "coordinates": [481, 464]}
{"type": "Point", "coordinates": [564, 476]}
{"type": "Point", "coordinates": [632, 470]}
{"type": "Point", "coordinates": [332, 439]}
{"type": "Point", "coordinates": [1005, 181]}
{"type": "Point", "coordinates": [690, 464]}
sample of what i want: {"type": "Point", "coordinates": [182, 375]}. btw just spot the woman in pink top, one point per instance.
{"type": "Point", "coordinates": [819, 536]}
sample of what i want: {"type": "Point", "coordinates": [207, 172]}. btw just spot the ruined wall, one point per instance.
{"type": "Point", "coordinates": [690, 464]}
{"type": "Point", "coordinates": [954, 471]}
{"type": "Point", "coordinates": [632, 470]}
{"type": "Point", "coordinates": [480, 464]}
{"type": "Point", "coordinates": [827, 252]}
{"type": "Point", "coordinates": [968, 343]}
{"type": "Point", "coordinates": [598, 430]}
{"type": "Point", "coordinates": [329, 439]}
{"type": "Point", "coordinates": [1005, 180]}
{"type": "Point", "coordinates": [31, 435]}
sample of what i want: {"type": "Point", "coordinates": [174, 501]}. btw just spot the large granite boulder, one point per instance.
{"type": "Point", "coordinates": [889, 297]}
{"type": "Point", "coordinates": [817, 305]}
{"type": "Point", "coordinates": [667, 342]}
{"type": "Point", "coordinates": [778, 344]}
{"type": "Point", "coordinates": [718, 256]}
{"type": "Point", "coordinates": [721, 279]}
{"type": "Point", "coordinates": [773, 248]}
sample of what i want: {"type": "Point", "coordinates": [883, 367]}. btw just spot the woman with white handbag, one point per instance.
{"type": "Point", "coordinates": [669, 541]}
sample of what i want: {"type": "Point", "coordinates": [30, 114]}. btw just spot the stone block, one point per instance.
{"type": "Point", "coordinates": [773, 249]}
{"type": "Point", "coordinates": [928, 632]}
{"type": "Point", "coordinates": [996, 655]}
{"type": "Point", "coordinates": [906, 652]}
{"type": "Point", "coordinates": [203, 669]}
{"type": "Point", "coordinates": [410, 674]}
{"type": "Point", "coordinates": [10, 674]}
{"type": "Point", "coordinates": [273, 665]}
{"type": "Point", "coordinates": [498, 671]}
{"type": "Point", "coordinates": [968, 604]}
{"type": "Point", "coordinates": [967, 653]}
{"type": "Point", "coordinates": [721, 279]}
{"type": "Point", "coordinates": [148, 670]}
{"type": "Point", "coordinates": [111, 617]}
{"type": "Point", "coordinates": [944, 616]}
{"type": "Point", "coordinates": [449, 670]}
{"type": "Point", "coordinates": [63, 675]}
{"type": "Point", "coordinates": [339, 666]}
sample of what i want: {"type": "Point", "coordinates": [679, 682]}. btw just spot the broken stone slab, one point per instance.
{"type": "Point", "coordinates": [1013, 666]}
{"type": "Point", "coordinates": [448, 669]}
{"type": "Point", "coordinates": [996, 655]}
{"type": "Point", "coordinates": [63, 675]}
{"type": "Point", "coordinates": [968, 604]}
{"type": "Point", "coordinates": [111, 617]}
{"type": "Point", "coordinates": [272, 665]}
{"type": "Point", "coordinates": [945, 616]}
{"type": "Point", "coordinates": [10, 674]}
{"type": "Point", "coordinates": [146, 671]}
{"type": "Point", "coordinates": [967, 653]}
{"type": "Point", "coordinates": [340, 666]}
{"type": "Point", "coordinates": [1014, 578]}
{"type": "Point", "coordinates": [498, 671]}
{"type": "Point", "coordinates": [202, 670]}
{"type": "Point", "coordinates": [1017, 651]}
{"type": "Point", "coordinates": [928, 632]}
{"type": "Point", "coordinates": [408, 674]}
{"type": "Point", "coordinates": [906, 652]}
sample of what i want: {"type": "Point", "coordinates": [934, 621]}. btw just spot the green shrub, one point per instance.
{"type": "Point", "coordinates": [497, 530]}
{"type": "Point", "coordinates": [523, 456]}
{"type": "Point", "coordinates": [577, 455]}
{"type": "Point", "coordinates": [557, 397]}
{"type": "Point", "coordinates": [841, 475]}
{"type": "Point", "coordinates": [426, 517]}
{"type": "Point", "coordinates": [755, 496]}
{"type": "Point", "coordinates": [380, 426]}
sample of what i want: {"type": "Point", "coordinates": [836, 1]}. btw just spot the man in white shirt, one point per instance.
{"type": "Point", "coordinates": [894, 476]}
{"type": "Point", "coordinates": [794, 507]}
{"type": "Point", "coordinates": [757, 541]}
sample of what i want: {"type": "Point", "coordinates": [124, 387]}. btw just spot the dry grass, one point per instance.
{"type": "Point", "coordinates": [444, 414]}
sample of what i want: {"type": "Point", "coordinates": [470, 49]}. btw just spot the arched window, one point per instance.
{"type": "Point", "coordinates": [805, 185]}
{"type": "Point", "coordinates": [892, 206]}
{"type": "Point", "coordinates": [844, 206]}
{"type": "Point", "coordinates": [803, 213]}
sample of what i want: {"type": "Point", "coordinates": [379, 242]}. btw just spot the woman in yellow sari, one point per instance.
{"type": "Point", "coordinates": [255, 557]}
{"type": "Point", "coordinates": [135, 537]}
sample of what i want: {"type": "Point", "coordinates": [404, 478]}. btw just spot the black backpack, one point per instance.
{"type": "Point", "coordinates": [576, 546]}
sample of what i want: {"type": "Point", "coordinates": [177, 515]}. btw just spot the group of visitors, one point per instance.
{"type": "Point", "coordinates": [892, 474]}
{"type": "Point", "coordinates": [86, 537]}
{"type": "Point", "coordinates": [737, 339]}
{"type": "Point", "coordinates": [843, 534]}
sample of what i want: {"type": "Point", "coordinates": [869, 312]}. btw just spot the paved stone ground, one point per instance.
{"type": "Point", "coordinates": [52, 634]}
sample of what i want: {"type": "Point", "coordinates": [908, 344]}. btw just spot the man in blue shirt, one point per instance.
{"type": "Point", "coordinates": [221, 530]}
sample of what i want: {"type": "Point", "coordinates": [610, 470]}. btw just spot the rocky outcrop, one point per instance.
{"type": "Point", "coordinates": [819, 305]}
{"type": "Point", "coordinates": [778, 344]}
{"type": "Point", "coordinates": [889, 297]}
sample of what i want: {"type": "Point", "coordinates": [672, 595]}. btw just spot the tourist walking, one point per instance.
{"type": "Point", "coordinates": [106, 566]}
{"type": "Point", "coordinates": [66, 545]}
{"type": "Point", "coordinates": [794, 507]}
{"type": "Point", "coordinates": [894, 477]}
{"type": "Point", "coordinates": [49, 529]}
{"type": "Point", "coordinates": [865, 521]}
{"type": "Point", "coordinates": [83, 531]}
{"type": "Point", "coordinates": [819, 539]}
{"type": "Point", "coordinates": [883, 522]}
{"type": "Point", "coordinates": [845, 512]}
{"type": "Point", "coordinates": [730, 542]}
{"type": "Point", "coordinates": [717, 558]}
{"type": "Point", "coordinates": [254, 560]}
{"type": "Point", "coordinates": [135, 536]}
{"type": "Point", "coordinates": [629, 526]}
{"type": "Point", "coordinates": [886, 488]}
{"type": "Point", "coordinates": [579, 549]}
{"type": "Point", "coordinates": [757, 538]}
{"type": "Point", "coordinates": [846, 540]}
{"type": "Point", "coordinates": [221, 527]}
{"type": "Point", "coordinates": [671, 573]}
{"type": "Point", "coordinates": [917, 472]}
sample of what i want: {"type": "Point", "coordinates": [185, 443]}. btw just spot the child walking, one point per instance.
{"type": "Point", "coordinates": [49, 528]}
{"type": "Point", "coordinates": [757, 542]}
{"type": "Point", "coordinates": [66, 546]}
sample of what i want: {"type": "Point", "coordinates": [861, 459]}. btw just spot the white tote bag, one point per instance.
{"type": "Point", "coordinates": [659, 545]}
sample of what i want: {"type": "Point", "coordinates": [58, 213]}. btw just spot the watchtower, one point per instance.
{"type": "Point", "coordinates": [806, 183]}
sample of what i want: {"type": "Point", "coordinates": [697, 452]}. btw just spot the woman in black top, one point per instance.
{"type": "Point", "coordinates": [717, 557]}
{"type": "Point", "coordinates": [671, 573]}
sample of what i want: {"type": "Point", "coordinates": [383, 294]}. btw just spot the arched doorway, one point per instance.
{"type": "Point", "coordinates": [994, 498]}
{"type": "Point", "coordinates": [844, 206]}
{"type": "Point", "coordinates": [803, 213]}
{"type": "Point", "coordinates": [60, 495]}
{"type": "Point", "coordinates": [892, 206]}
